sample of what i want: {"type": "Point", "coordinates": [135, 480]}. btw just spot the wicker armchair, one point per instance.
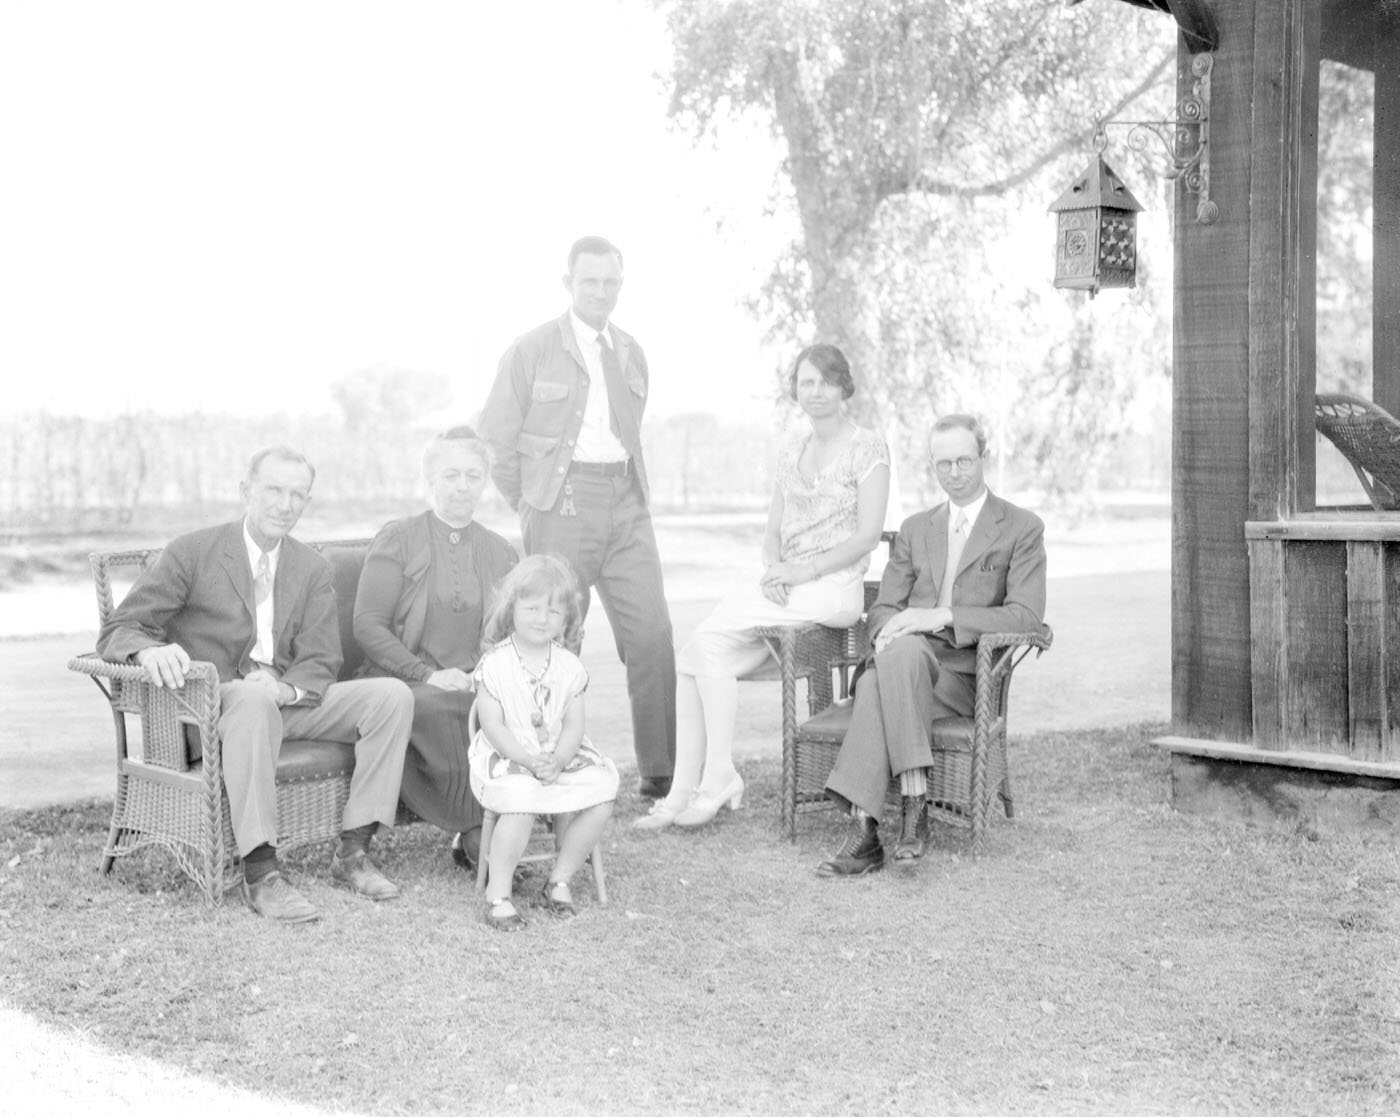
{"type": "Point", "coordinates": [969, 754]}
{"type": "Point", "coordinates": [170, 791]}
{"type": "Point", "coordinates": [811, 652]}
{"type": "Point", "coordinates": [1369, 438]}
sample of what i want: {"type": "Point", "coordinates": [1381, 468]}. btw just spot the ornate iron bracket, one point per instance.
{"type": "Point", "coordinates": [1185, 140]}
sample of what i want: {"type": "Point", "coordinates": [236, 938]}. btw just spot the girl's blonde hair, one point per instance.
{"type": "Point", "coordinates": [535, 576]}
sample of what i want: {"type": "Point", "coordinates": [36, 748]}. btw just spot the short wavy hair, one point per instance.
{"type": "Point", "coordinates": [281, 454]}
{"type": "Point", "coordinates": [593, 246]}
{"type": "Point", "coordinates": [535, 576]}
{"type": "Point", "coordinates": [961, 421]}
{"type": "Point", "coordinates": [830, 362]}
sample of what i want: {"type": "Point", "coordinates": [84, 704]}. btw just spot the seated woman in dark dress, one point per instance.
{"type": "Point", "coordinates": [423, 594]}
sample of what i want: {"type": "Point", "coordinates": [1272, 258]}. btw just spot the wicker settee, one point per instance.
{"type": "Point", "coordinates": [170, 790]}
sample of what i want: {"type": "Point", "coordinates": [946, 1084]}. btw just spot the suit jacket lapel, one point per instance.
{"type": "Point", "coordinates": [282, 588]}
{"type": "Point", "coordinates": [234, 559]}
{"type": "Point", "coordinates": [569, 340]}
{"type": "Point", "coordinates": [984, 532]}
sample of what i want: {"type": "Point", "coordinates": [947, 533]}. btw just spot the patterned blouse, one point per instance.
{"type": "Point", "coordinates": [823, 512]}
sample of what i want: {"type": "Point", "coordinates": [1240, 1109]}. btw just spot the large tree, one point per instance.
{"type": "Point", "coordinates": [914, 132]}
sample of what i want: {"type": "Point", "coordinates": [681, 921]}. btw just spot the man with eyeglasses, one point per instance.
{"type": "Point", "coordinates": [975, 564]}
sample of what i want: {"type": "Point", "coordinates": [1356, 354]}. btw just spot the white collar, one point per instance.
{"type": "Point", "coordinates": [255, 552]}
{"type": "Point", "coordinates": [586, 334]}
{"type": "Point", "coordinates": [972, 509]}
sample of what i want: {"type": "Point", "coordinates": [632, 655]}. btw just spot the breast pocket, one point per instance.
{"type": "Point", "coordinates": [549, 409]}
{"type": "Point", "coordinates": [989, 575]}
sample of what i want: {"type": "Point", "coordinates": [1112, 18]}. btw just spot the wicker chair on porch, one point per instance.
{"type": "Point", "coordinates": [969, 754]}
{"type": "Point", "coordinates": [170, 791]}
{"type": "Point", "coordinates": [1369, 438]}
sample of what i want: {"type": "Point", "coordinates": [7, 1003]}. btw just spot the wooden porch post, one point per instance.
{"type": "Point", "coordinates": [1211, 684]}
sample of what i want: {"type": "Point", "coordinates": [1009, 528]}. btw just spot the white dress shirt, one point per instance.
{"type": "Point", "coordinates": [263, 650]}
{"type": "Point", "coordinates": [596, 441]}
{"type": "Point", "coordinates": [970, 511]}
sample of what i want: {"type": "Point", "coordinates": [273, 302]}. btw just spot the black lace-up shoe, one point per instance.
{"type": "Point", "coordinates": [913, 831]}
{"type": "Point", "coordinates": [861, 852]}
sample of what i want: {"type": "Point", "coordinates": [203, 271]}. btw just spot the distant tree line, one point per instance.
{"type": "Point", "coordinates": [64, 472]}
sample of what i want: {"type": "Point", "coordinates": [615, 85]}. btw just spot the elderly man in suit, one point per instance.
{"type": "Point", "coordinates": [564, 418]}
{"type": "Point", "coordinates": [972, 565]}
{"type": "Point", "coordinates": [260, 606]}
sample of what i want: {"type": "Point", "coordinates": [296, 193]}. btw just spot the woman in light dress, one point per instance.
{"type": "Point", "coordinates": [825, 518]}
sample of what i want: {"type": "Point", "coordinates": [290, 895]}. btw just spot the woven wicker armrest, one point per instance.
{"type": "Point", "coordinates": [1040, 641]}
{"type": "Point", "coordinates": [1368, 437]}
{"type": "Point", "coordinates": [165, 711]}
{"type": "Point", "coordinates": [997, 657]}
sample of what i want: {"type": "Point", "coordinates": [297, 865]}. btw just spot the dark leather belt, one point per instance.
{"type": "Point", "coordinates": [601, 469]}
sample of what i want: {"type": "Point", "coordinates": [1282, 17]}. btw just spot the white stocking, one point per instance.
{"type": "Point", "coordinates": [690, 741]}
{"type": "Point", "coordinates": [720, 699]}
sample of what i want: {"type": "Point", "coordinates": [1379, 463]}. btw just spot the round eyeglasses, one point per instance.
{"type": "Point", "coordinates": [944, 466]}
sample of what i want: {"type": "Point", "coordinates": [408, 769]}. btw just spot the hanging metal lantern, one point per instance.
{"type": "Point", "coordinates": [1096, 234]}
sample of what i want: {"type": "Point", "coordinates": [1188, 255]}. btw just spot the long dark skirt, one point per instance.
{"type": "Point", "coordinates": [436, 780]}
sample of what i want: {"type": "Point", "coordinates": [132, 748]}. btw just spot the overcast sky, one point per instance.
{"type": "Point", "coordinates": [226, 206]}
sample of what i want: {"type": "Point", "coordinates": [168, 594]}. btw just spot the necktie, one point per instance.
{"type": "Point", "coordinates": [617, 387]}
{"type": "Point", "coordinates": [957, 539]}
{"type": "Point", "coordinates": [262, 580]}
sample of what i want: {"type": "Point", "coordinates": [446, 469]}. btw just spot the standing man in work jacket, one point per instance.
{"type": "Point", "coordinates": [564, 419]}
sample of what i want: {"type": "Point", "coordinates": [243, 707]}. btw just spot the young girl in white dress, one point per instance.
{"type": "Point", "coordinates": [531, 755]}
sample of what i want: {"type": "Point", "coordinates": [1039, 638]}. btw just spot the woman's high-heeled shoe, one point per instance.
{"type": "Point", "coordinates": [706, 804]}
{"type": "Point", "coordinates": [663, 812]}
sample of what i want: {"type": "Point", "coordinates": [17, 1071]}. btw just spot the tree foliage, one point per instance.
{"type": "Point", "coordinates": [915, 132]}
{"type": "Point", "coordinates": [1345, 157]}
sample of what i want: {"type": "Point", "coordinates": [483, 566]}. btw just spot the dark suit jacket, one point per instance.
{"type": "Point", "coordinates": [199, 595]}
{"type": "Point", "coordinates": [1000, 582]}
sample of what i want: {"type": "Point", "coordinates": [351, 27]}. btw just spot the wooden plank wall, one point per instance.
{"type": "Point", "coordinates": [1326, 624]}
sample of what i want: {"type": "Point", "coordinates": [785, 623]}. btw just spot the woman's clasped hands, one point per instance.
{"type": "Point", "coordinates": [779, 577]}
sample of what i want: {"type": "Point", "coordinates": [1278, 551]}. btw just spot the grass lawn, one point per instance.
{"type": "Point", "coordinates": [1106, 955]}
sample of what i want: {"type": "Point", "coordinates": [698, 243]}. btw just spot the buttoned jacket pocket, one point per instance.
{"type": "Point", "coordinates": [549, 410]}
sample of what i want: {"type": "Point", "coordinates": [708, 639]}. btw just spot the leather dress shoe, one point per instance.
{"type": "Point", "coordinates": [913, 833]}
{"type": "Point", "coordinates": [357, 872]}
{"type": "Point", "coordinates": [654, 787]}
{"type": "Point", "coordinates": [861, 852]}
{"type": "Point", "coordinates": [466, 848]}
{"type": "Point", "coordinates": [273, 897]}
{"type": "Point", "coordinates": [558, 907]}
